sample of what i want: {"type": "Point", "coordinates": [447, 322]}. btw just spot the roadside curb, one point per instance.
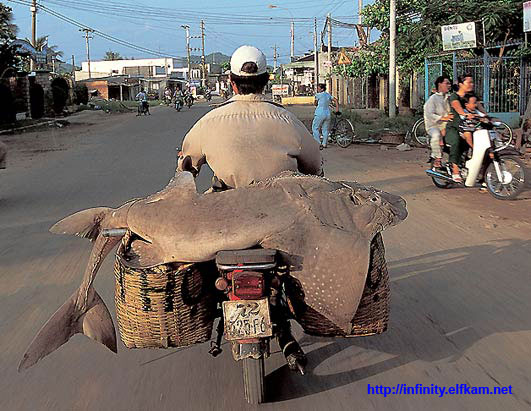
{"type": "Point", "coordinates": [18, 129]}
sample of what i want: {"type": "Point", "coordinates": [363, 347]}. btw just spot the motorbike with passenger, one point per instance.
{"type": "Point", "coordinates": [491, 162]}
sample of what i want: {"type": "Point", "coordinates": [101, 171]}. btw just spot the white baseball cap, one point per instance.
{"type": "Point", "coordinates": [247, 54]}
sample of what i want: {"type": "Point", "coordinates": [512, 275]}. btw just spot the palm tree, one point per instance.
{"type": "Point", "coordinates": [42, 43]}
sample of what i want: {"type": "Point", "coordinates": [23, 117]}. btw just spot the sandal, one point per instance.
{"type": "Point", "coordinates": [457, 178]}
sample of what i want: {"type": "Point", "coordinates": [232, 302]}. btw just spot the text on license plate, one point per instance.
{"type": "Point", "coordinates": [247, 319]}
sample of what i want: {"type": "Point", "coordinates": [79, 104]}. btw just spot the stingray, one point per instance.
{"type": "Point", "coordinates": [322, 228]}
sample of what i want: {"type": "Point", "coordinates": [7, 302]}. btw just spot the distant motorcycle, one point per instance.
{"type": "Point", "coordinates": [179, 103]}
{"type": "Point", "coordinates": [143, 108]}
{"type": "Point", "coordinates": [189, 100]}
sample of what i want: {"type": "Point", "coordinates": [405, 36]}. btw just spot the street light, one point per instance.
{"type": "Point", "coordinates": [273, 6]}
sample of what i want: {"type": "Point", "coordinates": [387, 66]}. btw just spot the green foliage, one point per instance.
{"type": "Point", "coordinates": [37, 101]}
{"type": "Point", "coordinates": [225, 66]}
{"type": "Point", "coordinates": [419, 30]}
{"type": "Point", "coordinates": [60, 94]}
{"type": "Point", "coordinates": [7, 108]}
{"type": "Point", "coordinates": [81, 94]}
{"type": "Point", "coordinates": [9, 56]}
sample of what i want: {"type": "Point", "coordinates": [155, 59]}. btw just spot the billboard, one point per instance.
{"type": "Point", "coordinates": [459, 36]}
{"type": "Point", "coordinates": [527, 16]}
{"type": "Point", "coordinates": [280, 89]}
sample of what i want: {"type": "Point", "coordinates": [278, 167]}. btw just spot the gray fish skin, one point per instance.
{"type": "Point", "coordinates": [322, 228]}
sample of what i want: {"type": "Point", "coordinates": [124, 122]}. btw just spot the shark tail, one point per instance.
{"type": "Point", "coordinates": [94, 321]}
{"type": "Point", "coordinates": [86, 223]}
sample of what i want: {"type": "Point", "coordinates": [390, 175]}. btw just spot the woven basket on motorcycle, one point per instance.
{"type": "Point", "coordinates": [169, 305]}
{"type": "Point", "coordinates": [372, 315]}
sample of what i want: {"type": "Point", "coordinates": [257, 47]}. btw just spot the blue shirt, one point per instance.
{"type": "Point", "coordinates": [323, 103]}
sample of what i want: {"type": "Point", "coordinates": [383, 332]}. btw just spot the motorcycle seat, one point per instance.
{"type": "Point", "coordinates": [252, 256]}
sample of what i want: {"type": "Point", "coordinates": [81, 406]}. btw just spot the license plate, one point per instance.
{"type": "Point", "coordinates": [247, 319]}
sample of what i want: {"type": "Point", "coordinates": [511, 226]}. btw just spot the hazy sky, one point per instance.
{"type": "Point", "coordinates": [155, 25]}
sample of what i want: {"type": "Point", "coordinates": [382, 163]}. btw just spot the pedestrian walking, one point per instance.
{"type": "Point", "coordinates": [321, 118]}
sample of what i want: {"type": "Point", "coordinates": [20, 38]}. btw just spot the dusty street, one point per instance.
{"type": "Point", "coordinates": [460, 267]}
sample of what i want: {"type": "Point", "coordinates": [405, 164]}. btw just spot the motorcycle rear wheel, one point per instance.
{"type": "Point", "coordinates": [253, 380]}
{"type": "Point", "coordinates": [513, 166]}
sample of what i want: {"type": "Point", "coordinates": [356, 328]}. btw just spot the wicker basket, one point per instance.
{"type": "Point", "coordinates": [170, 305]}
{"type": "Point", "coordinates": [372, 315]}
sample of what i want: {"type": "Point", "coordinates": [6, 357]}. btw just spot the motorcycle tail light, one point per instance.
{"type": "Point", "coordinates": [248, 285]}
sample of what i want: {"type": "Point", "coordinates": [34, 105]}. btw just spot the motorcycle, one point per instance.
{"type": "Point", "coordinates": [143, 108]}
{"type": "Point", "coordinates": [179, 103]}
{"type": "Point", "coordinates": [492, 163]}
{"type": "Point", "coordinates": [254, 310]}
{"type": "Point", "coordinates": [189, 100]}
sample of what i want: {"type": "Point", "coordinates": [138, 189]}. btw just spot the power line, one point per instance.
{"type": "Point", "coordinates": [96, 32]}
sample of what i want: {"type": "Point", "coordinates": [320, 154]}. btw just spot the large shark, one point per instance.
{"type": "Point", "coordinates": [322, 228]}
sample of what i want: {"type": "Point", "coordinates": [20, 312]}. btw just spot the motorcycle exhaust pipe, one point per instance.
{"type": "Point", "coordinates": [432, 173]}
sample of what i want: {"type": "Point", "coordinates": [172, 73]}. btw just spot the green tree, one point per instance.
{"type": "Point", "coordinates": [9, 56]}
{"type": "Point", "coordinates": [225, 66]}
{"type": "Point", "coordinates": [112, 55]}
{"type": "Point", "coordinates": [419, 30]}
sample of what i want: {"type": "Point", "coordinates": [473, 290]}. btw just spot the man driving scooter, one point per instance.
{"type": "Point", "coordinates": [435, 117]}
{"type": "Point", "coordinates": [248, 139]}
{"type": "Point", "coordinates": [142, 102]}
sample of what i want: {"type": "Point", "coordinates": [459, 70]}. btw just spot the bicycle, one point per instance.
{"type": "Point", "coordinates": [419, 134]}
{"type": "Point", "coordinates": [341, 131]}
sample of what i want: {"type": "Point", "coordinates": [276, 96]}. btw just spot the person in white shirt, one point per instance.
{"type": "Point", "coordinates": [436, 114]}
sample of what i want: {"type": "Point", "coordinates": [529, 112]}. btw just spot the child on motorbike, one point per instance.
{"type": "Point", "coordinates": [468, 124]}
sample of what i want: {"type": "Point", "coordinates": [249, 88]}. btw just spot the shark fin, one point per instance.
{"type": "Point", "coordinates": [181, 184]}
{"type": "Point", "coordinates": [85, 224]}
{"type": "Point", "coordinates": [94, 321]}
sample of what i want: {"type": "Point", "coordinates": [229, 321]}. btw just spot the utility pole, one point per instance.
{"type": "Point", "coordinates": [33, 30]}
{"type": "Point", "coordinates": [360, 8]}
{"type": "Point", "coordinates": [315, 55]}
{"type": "Point", "coordinates": [275, 58]}
{"type": "Point", "coordinates": [292, 40]}
{"type": "Point", "coordinates": [87, 38]}
{"type": "Point", "coordinates": [186, 28]}
{"type": "Point", "coordinates": [392, 60]}
{"type": "Point", "coordinates": [329, 20]}
{"type": "Point", "coordinates": [203, 80]}
{"type": "Point", "coordinates": [73, 70]}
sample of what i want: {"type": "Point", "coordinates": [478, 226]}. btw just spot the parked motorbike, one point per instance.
{"type": "Point", "coordinates": [254, 311]}
{"type": "Point", "coordinates": [491, 162]}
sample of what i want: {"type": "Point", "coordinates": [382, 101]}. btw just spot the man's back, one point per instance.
{"type": "Point", "coordinates": [249, 139]}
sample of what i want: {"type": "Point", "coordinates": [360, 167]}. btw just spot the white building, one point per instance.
{"type": "Point", "coordinates": [149, 68]}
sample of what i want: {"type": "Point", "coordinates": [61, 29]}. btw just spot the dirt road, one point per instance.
{"type": "Point", "coordinates": [460, 268]}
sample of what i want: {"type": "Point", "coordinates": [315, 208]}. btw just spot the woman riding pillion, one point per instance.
{"type": "Point", "coordinates": [321, 119]}
{"type": "Point", "coordinates": [457, 144]}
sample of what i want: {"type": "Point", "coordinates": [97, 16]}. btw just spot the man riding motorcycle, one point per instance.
{"type": "Point", "coordinates": [436, 114]}
{"type": "Point", "coordinates": [248, 139]}
{"type": "Point", "coordinates": [142, 102]}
